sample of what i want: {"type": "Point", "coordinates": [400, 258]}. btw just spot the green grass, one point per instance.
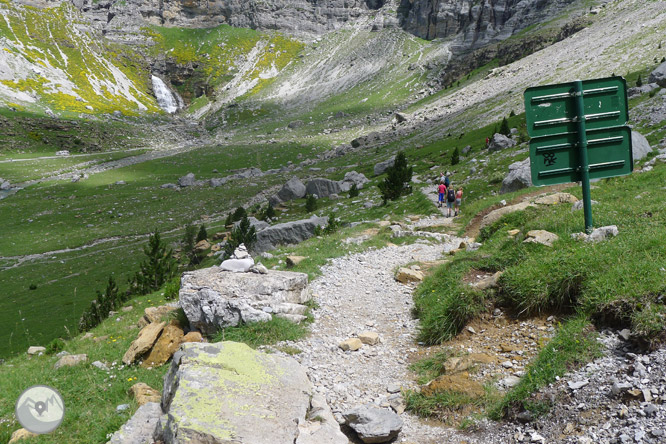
{"type": "Point", "coordinates": [90, 395]}
{"type": "Point", "coordinates": [429, 368]}
{"type": "Point", "coordinates": [263, 333]}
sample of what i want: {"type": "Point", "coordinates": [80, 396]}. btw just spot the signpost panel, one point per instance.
{"type": "Point", "coordinates": [554, 159]}
{"type": "Point", "coordinates": [578, 133]}
{"type": "Point", "coordinates": [551, 109]}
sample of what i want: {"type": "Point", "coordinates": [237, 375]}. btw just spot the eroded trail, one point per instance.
{"type": "Point", "coordinates": [359, 293]}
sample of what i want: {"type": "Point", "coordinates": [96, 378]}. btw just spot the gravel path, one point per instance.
{"type": "Point", "coordinates": [358, 293]}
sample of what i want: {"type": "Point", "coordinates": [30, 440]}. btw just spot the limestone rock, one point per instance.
{"type": "Point", "coordinates": [212, 299]}
{"type": "Point", "coordinates": [227, 392]}
{"type": "Point", "coordinates": [187, 181]}
{"type": "Point", "coordinates": [381, 167]}
{"type": "Point", "coordinates": [36, 350]}
{"type": "Point", "coordinates": [369, 338]}
{"type": "Point", "coordinates": [513, 232]}
{"type": "Point", "coordinates": [156, 314]}
{"type": "Point", "coordinates": [658, 76]}
{"type": "Point", "coordinates": [640, 147]}
{"type": "Point", "coordinates": [147, 337]}
{"type": "Point", "coordinates": [499, 142]}
{"type": "Point", "coordinates": [287, 233]}
{"type": "Point", "coordinates": [495, 215]}
{"type": "Point", "coordinates": [292, 261]}
{"type": "Point", "coordinates": [202, 246]}
{"type": "Point", "coordinates": [488, 282]}
{"type": "Point", "coordinates": [193, 336]}
{"type": "Point", "coordinates": [519, 177]}
{"type": "Point", "coordinates": [165, 347]}
{"type": "Point", "coordinates": [541, 237]}
{"type": "Point", "coordinates": [70, 361]}
{"type": "Point", "coordinates": [293, 189]}
{"type": "Point", "coordinates": [322, 187]}
{"type": "Point", "coordinates": [598, 234]}
{"type": "Point", "coordinates": [141, 427]}
{"type": "Point", "coordinates": [373, 424]}
{"type": "Point", "coordinates": [237, 265]}
{"type": "Point", "coordinates": [143, 393]}
{"type": "Point", "coordinates": [351, 344]}
{"type": "Point", "coordinates": [353, 178]}
{"type": "Point", "coordinates": [406, 275]}
{"type": "Point", "coordinates": [556, 198]}
{"type": "Point", "coordinates": [20, 435]}
{"type": "Point", "coordinates": [322, 430]}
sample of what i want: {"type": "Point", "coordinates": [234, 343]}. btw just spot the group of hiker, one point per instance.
{"type": "Point", "coordinates": [449, 195]}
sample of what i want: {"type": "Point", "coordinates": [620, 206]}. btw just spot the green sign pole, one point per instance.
{"type": "Point", "coordinates": [582, 153]}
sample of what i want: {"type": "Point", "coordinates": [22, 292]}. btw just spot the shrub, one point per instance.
{"type": "Point", "coordinates": [512, 113]}
{"type": "Point", "coordinates": [55, 346]}
{"type": "Point", "coordinates": [639, 81]}
{"type": "Point", "coordinates": [333, 224]}
{"type": "Point", "coordinates": [504, 127]}
{"type": "Point", "coordinates": [158, 267]}
{"type": "Point", "coordinates": [244, 233]}
{"type": "Point", "coordinates": [397, 181]}
{"type": "Point", "coordinates": [455, 156]}
{"type": "Point", "coordinates": [171, 289]}
{"type": "Point", "coordinates": [202, 234]}
{"type": "Point", "coordinates": [310, 203]}
{"type": "Point", "coordinates": [353, 191]}
{"type": "Point", "coordinates": [33, 287]}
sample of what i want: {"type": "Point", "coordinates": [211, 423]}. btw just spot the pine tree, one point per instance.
{"type": "Point", "coordinates": [244, 233]}
{"type": "Point", "coordinates": [310, 203]}
{"type": "Point", "coordinates": [188, 239]}
{"type": "Point", "coordinates": [158, 267]}
{"type": "Point", "coordinates": [238, 214]}
{"type": "Point", "coordinates": [269, 212]}
{"type": "Point", "coordinates": [639, 81]}
{"type": "Point", "coordinates": [504, 127]}
{"type": "Point", "coordinates": [353, 191]}
{"type": "Point", "coordinates": [397, 181]}
{"type": "Point", "coordinates": [203, 234]}
{"type": "Point", "coordinates": [455, 156]}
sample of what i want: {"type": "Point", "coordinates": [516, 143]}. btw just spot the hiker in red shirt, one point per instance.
{"type": "Point", "coordinates": [442, 191]}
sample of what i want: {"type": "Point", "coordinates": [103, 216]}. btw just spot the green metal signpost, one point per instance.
{"type": "Point", "coordinates": [578, 133]}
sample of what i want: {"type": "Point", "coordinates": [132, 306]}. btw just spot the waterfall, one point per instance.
{"type": "Point", "coordinates": [164, 96]}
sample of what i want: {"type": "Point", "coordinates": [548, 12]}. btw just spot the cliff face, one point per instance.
{"type": "Point", "coordinates": [307, 17]}
{"type": "Point", "coordinates": [475, 23]}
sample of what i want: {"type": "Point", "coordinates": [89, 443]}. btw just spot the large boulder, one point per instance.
{"type": "Point", "coordinates": [658, 76]}
{"type": "Point", "coordinates": [4, 185]}
{"type": "Point", "coordinates": [144, 342]}
{"type": "Point", "coordinates": [165, 346]}
{"type": "Point", "coordinates": [228, 392]}
{"type": "Point", "coordinates": [293, 189]}
{"type": "Point", "coordinates": [519, 177]}
{"type": "Point", "coordinates": [495, 215]}
{"type": "Point", "coordinates": [322, 187]}
{"type": "Point", "coordinates": [640, 147]}
{"type": "Point", "coordinates": [500, 142]}
{"type": "Point", "coordinates": [187, 181]}
{"type": "Point", "coordinates": [373, 424]}
{"type": "Point", "coordinates": [351, 178]}
{"type": "Point", "coordinates": [381, 167]}
{"type": "Point", "coordinates": [141, 426]}
{"type": "Point", "coordinates": [287, 233]}
{"type": "Point", "coordinates": [214, 299]}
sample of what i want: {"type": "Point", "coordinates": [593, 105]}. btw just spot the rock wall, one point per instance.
{"type": "Point", "coordinates": [294, 16]}
{"type": "Point", "coordinates": [475, 23]}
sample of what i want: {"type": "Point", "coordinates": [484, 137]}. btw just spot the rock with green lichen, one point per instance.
{"type": "Point", "coordinates": [228, 392]}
